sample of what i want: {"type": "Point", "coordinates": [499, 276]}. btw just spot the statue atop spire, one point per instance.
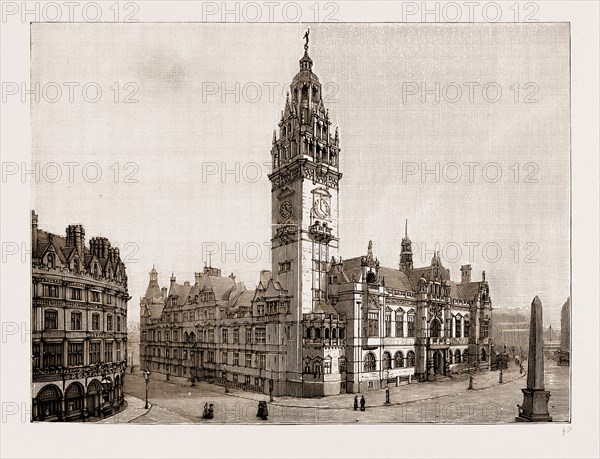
{"type": "Point", "coordinates": [306, 34]}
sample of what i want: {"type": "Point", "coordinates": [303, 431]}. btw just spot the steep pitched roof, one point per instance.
{"type": "Point", "coordinates": [394, 278]}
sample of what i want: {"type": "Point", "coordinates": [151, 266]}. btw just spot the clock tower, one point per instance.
{"type": "Point", "coordinates": [305, 178]}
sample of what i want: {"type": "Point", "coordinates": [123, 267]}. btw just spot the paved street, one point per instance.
{"type": "Point", "coordinates": [446, 401]}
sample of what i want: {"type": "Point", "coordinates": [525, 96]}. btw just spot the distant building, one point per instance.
{"type": "Point", "coordinates": [79, 325]}
{"type": "Point", "coordinates": [316, 325]}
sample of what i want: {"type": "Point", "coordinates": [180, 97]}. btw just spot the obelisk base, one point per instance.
{"type": "Point", "coordinates": [535, 406]}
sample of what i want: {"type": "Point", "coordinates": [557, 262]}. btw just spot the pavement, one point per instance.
{"type": "Point", "coordinates": [134, 409]}
{"type": "Point", "coordinates": [445, 401]}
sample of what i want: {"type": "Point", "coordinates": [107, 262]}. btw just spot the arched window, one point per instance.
{"type": "Point", "coordinates": [326, 333]}
{"type": "Point", "coordinates": [399, 359]}
{"type": "Point", "coordinates": [317, 333]}
{"type": "Point", "coordinates": [51, 260]}
{"type": "Point", "coordinates": [49, 400]}
{"type": "Point", "coordinates": [457, 356]}
{"type": "Point", "coordinates": [410, 359]}
{"type": "Point", "coordinates": [370, 362]}
{"type": "Point", "coordinates": [435, 328]}
{"type": "Point", "coordinates": [387, 361]}
{"type": "Point", "coordinates": [74, 397]}
{"type": "Point", "coordinates": [341, 333]}
{"type": "Point", "coordinates": [334, 333]}
{"type": "Point", "coordinates": [192, 337]}
{"type": "Point", "coordinates": [467, 327]}
{"type": "Point", "coordinates": [308, 333]}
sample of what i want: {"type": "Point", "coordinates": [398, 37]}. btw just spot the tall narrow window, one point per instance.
{"type": "Point", "coordinates": [95, 322]}
{"type": "Point", "coordinates": [373, 324]}
{"type": "Point", "coordinates": [75, 321]}
{"type": "Point", "coordinates": [50, 319]}
{"type": "Point", "coordinates": [399, 323]}
{"type": "Point", "coordinates": [411, 325]}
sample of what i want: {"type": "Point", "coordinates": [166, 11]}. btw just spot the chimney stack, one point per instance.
{"type": "Point", "coordinates": [34, 228]}
{"type": "Point", "coordinates": [465, 272]}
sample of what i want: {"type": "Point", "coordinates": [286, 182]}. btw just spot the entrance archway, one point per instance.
{"type": "Point", "coordinates": [438, 363]}
{"type": "Point", "coordinates": [94, 393]}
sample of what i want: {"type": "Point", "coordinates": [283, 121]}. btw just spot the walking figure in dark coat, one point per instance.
{"type": "Point", "coordinates": [209, 411]}
{"type": "Point", "coordinates": [362, 403]}
{"type": "Point", "coordinates": [263, 411]}
{"type": "Point", "coordinates": [355, 402]}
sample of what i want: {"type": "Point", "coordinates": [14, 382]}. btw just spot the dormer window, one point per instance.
{"type": "Point", "coordinates": [51, 260]}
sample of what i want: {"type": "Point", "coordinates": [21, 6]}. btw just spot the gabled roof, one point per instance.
{"type": "Point", "coordinates": [395, 279]}
{"type": "Point", "coordinates": [181, 292]}
{"type": "Point", "coordinates": [274, 289]}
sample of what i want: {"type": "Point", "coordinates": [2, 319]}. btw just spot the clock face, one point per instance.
{"type": "Point", "coordinates": [285, 209]}
{"type": "Point", "coordinates": [321, 207]}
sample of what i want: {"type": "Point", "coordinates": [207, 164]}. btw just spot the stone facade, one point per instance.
{"type": "Point", "coordinates": [316, 325]}
{"type": "Point", "coordinates": [79, 325]}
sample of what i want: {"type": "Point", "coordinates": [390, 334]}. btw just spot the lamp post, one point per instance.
{"type": "Point", "coordinates": [387, 387]}
{"type": "Point", "coordinates": [147, 379]}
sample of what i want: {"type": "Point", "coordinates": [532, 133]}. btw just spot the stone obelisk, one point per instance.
{"type": "Point", "coordinates": [535, 398]}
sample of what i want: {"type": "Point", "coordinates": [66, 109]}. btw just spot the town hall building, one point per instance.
{"type": "Point", "coordinates": [316, 325]}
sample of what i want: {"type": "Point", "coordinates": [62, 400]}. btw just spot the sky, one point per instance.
{"type": "Point", "coordinates": [182, 127]}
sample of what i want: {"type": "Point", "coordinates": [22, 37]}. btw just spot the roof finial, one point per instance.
{"type": "Point", "coordinates": [306, 34]}
{"type": "Point", "coordinates": [406, 228]}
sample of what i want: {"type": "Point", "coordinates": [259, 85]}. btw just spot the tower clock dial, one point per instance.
{"type": "Point", "coordinates": [321, 207]}
{"type": "Point", "coordinates": [285, 209]}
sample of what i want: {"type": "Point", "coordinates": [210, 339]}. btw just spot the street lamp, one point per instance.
{"type": "Point", "coordinates": [387, 386]}
{"type": "Point", "coordinates": [147, 379]}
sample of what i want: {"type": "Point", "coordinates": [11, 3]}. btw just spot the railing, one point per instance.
{"type": "Point", "coordinates": [439, 341]}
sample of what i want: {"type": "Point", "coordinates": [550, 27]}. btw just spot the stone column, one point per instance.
{"type": "Point", "coordinates": [535, 398]}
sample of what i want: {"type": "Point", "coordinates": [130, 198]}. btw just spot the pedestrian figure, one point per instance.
{"type": "Point", "coordinates": [355, 403]}
{"type": "Point", "coordinates": [262, 412]}
{"type": "Point", "coordinates": [206, 411]}
{"type": "Point", "coordinates": [470, 382]}
{"type": "Point", "coordinates": [211, 411]}
{"type": "Point", "coordinates": [362, 403]}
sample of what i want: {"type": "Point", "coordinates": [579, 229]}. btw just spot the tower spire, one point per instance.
{"type": "Point", "coordinates": [406, 229]}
